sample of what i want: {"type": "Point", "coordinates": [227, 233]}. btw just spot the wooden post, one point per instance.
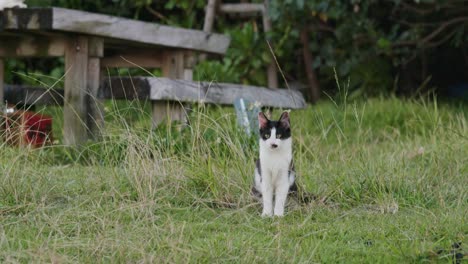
{"type": "Point", "coordinates": [95, 117]}
{"type": "Point", "coordinates": [189, 64]}
{"type": "Point", "coordinates": [173, 67]}
{"type": "Point", "coordinates": [271, 71]}
{"type": "Point", "coordinates": [210, 12]}
{"type": "Point", "coordinates": [74, 109]}
{"type": "Point", "coordinates": [314, 86]}
{"type": "Point", "coordinates": [209, 16]}
{"type": "Point", "coordinates": [2, 99]}
{"type": "Point", "coordinates": [2, 83]}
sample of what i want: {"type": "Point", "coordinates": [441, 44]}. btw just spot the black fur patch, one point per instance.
{"type": "Point", "coordinates": [259, 168]}
{"type": "Point", "coordinates": [256, 193]}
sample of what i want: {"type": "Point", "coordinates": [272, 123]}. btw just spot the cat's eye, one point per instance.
{"type": "Point", "coordinates": [278, 135]}
{"type": "Point", "coordinates": [266, 136]}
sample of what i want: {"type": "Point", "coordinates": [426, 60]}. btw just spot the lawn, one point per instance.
{"type": "Point", "coordinates": [389, 177]}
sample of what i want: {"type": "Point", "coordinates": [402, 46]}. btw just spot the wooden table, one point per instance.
{"type": "Point", "coordinates": [91, 42]}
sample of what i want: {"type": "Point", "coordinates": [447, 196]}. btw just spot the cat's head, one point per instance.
{"type": "Point", "coordinates": [274, 134]}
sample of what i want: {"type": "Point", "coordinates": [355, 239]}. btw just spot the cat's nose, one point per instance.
{"type": "Point", "coordinates": [274, 145]}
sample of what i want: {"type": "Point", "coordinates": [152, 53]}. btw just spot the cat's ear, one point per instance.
{"type": "Point", "coordinates": [284, 120]}
{"type": "Point", "coordinates": [262, 120]}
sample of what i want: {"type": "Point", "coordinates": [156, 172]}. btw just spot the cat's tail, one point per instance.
{"type": "Point", "coordinates": [256, 194]}
{"type": "Point", "coordinates": [301, 195]}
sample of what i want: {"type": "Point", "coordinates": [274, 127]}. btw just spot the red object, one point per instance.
{"type": "Point", "coordinates": [25, 128]}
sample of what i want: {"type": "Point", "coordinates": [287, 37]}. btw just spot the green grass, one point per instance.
{"type": "Point", "coordinates": [390, 176]}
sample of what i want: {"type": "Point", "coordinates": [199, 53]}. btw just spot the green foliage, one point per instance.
{"type": "Point", "coordinates": [341, 39]}
{"type": "Point", "coordinates": [45, 73]}
{"type": "Point", "coordinates": [371, 43]}
{"type": "Point", "coordinates": [357, 36]}
{"type": "Point", "coordinates": [244, 62]}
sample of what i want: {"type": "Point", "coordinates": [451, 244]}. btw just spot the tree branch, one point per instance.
{"type": "Point", "coordinates": [314, 86]}
{"type": "Point", "coordinates": [423, 11]}
{"type": "Point", "coordinates": [432, 35]}
{"type": "Point", "coordinates": [158, 15]}
{"type": "Point", "coordinates": [441, 41]}
{"type": "Point", "coordinates": [416, 10]}
{"type": "Point", "coordinates": [321, 27]}
{"type": "Point", "coordinates": [442, 27]}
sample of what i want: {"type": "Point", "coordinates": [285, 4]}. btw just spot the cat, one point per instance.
{"type": "Point", "coordinates": [274, 170]}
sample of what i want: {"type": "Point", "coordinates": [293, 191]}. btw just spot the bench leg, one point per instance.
{"type": "Point", "coordinates": [175, 66]}
{"type": "Point", "coordinates": [95, 117]}
{"type": "Point", "coordinates": [167, 111]}
{"type": "Point", "coordinates": [2, 83]}
{"type": "Point", "coordinates": [2, 100]}
{"type": "Point", "coordinates": [95, 107]}
{"type": "Point", "coordinates": [74, 108]}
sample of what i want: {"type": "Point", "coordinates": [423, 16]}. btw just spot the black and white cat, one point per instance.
{"type": "Point", "coordinates": [274, 172]}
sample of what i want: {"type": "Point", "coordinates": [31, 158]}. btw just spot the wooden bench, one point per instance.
{"type": "Point", "coordinates": [184, 91]}
{"type": "Point", "coordinates": [25, 96]}
{"type": "Point", "coordinates": [175, 91]}
{"type": "Point", "coordinates": [92, 43]}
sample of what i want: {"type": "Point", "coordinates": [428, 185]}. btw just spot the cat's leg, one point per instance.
{"type": "Point", "coordinates": [267, 196]}
{"type": "Point", "coordinates": [281, 194]}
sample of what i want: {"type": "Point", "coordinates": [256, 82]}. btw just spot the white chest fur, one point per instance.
{"type": "Point", "coordinates": [275, 162]}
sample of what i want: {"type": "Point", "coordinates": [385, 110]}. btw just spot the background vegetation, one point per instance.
{"type": "Point", "coordinates": [389, 175]}
{"type": "Point", "coordinates": [402, 47]}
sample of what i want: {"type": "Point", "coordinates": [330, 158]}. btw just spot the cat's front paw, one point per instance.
{"type": "Point", "coordinates": [279, 214]}
{"type": "Point", "coordinates": [267, 214]}
{"type": "Point", "coordinates": [279, 211]}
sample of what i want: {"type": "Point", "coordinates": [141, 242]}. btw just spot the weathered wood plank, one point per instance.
{"type": "Point", "coordinates": [166, 89]}
{"type": "Point", "coordinates": [114, 27]}
{"type": "Point", "coordinates": [125, 88]}
{"type": "Point", "coordinates": [76, 75]}
{"type": "Point", "coordinates": [32, 46]}
{"type": "Point", "coordinates": [219, 93]}
{"type": "Point", "coordinates": [245, 8]}
{"type": "Point", "coordinates": [30, 95]}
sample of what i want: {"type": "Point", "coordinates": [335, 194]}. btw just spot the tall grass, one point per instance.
{"type": "Point", "coordinates": [390, 176]}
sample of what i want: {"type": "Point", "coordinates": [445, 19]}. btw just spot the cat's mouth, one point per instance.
{"type": "Point", "coordinates": [273, 146]}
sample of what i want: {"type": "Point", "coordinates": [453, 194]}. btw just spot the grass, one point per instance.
{"type": "Point", "coordinates": [390, 175]}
